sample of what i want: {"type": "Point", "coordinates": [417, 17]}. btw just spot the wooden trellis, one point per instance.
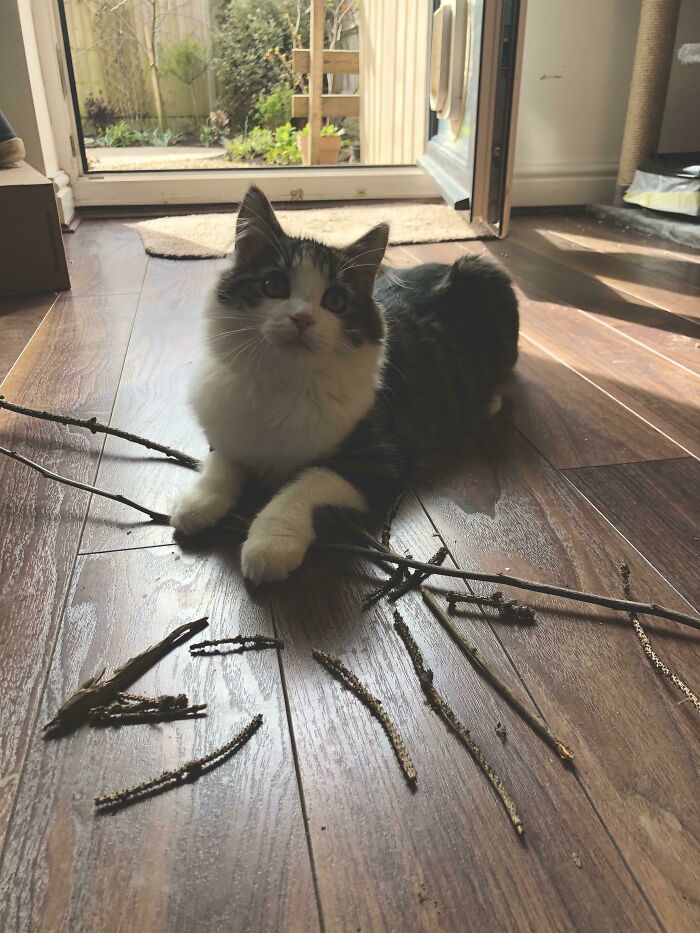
{"type": "Point", "coordinates": [317, 61]}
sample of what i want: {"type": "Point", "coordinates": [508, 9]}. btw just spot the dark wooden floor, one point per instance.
{"type": "Point", "coordinates": [311, 826]}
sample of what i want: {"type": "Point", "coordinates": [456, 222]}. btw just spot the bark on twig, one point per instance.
{"type": "Point", "coordinates": [536, 723]}
{"type": "Point", "coordinates": [386, 587]}
{"type": "Point", "coordinates": [389, 520]}
{"type": "Point", "coordinates": [93, 425]}
{"type": "Point", "coordinates": [418, 577]}
{"type": "Point", "coordinates": [241, 642]}
{"type": "Point", "coordinates": [96, 692]}
{"type": "Point", "coordinates": [190, 771]}
{"type": "Point", "coordinates": [649, 651]}
{"type": "Point", "coordinates": [440, 706]}
{"type": "Point", "coordinates": [128, 709]}
{"type": "Point", "coordinates": [349, 680]}
{"type": "Point", "coordinates": [509, 610]}
{"type": "Point", "coordinates": [158, 517]}
{"type": "Point", "coordinates": [594, 599]}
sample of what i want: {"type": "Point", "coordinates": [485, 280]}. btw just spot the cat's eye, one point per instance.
{"type": "Point", "coordinates": [275, 285]}
{"type": "Point", "coordinates": [335, 299]}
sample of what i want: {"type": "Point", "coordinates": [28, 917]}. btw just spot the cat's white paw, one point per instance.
{"type": "Point", "coordinates": [198, 509]}
{"type": "Point", "coordinates": [494, 406]}
{"type": "Point", "coordinates": [270, 558]}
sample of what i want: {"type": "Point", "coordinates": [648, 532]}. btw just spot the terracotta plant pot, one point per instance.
{"type": "Point", "coordinates": [330, 149]}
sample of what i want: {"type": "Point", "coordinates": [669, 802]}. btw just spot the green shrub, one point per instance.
{"type": "Point", "coordinates": [329, 129]}
{"type": "Point", "coordinates": [248, 31]}
{"type": "Point", "coordinates": [275, 109]}
{"type": "Point", "coordinates": [119, 134]}
{"type": "Point", "coordinates": [284, 149]}
{"type": "Point", "coordinates": [248, 148]}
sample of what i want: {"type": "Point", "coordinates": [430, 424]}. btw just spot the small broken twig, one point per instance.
{"type": "Point", "coordinates": [97, 692]}
{"type": "Point", "coordinates": [649, 651]}
{"type": "Point", "coordinates": [386, 587]}
{"type": "Point", "coordinates": [129, 709]}
{"type": "Point", "coordinates": [536, 723]}
{"type": "Point", "coordinates": [509, 610]}
{"type": "Point", "coordinates": [349, 680]}
{"type": "Point", "coordinates": [418, 577]}
{"type": "Point", "coordinates": [190, 771]}
{"type": "Point", "coordinates": [243, 643]}
{"type": "Point", "coordinates": [93, 425]}
{"type": "Point", "coordinates": [500, 731]}
{"type": "Point", "coordinates": [440, 706]}
{"type": "Point", "coordinates": [158, 517]}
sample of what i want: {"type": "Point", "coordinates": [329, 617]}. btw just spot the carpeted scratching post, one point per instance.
{"type": "Point", "coordinates": [652, 66]}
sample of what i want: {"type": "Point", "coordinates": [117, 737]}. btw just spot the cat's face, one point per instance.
{"type": "Point", "coordinates": [295, 300]}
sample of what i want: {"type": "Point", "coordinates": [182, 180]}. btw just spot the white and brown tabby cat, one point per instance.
{"type": "Point", "coordinates": [325, 384]}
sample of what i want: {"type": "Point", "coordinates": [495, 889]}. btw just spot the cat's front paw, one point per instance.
{"type": "Point", "coordinates": [270, 558]}
{"type": "Point", "coordinates": [198, 509]}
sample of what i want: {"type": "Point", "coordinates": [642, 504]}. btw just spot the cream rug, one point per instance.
{"type": "Point", "coordinates": [205, 236]}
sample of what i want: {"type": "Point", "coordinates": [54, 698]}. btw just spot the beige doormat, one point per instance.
{"type": "Point", "coordinates": [204, 236]}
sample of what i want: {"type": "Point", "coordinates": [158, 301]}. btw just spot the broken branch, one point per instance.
{"type": "Point", "coordinates": [509, 610]}
{"type": "Point", "coordinates": [159, 517]}
{"type": "Point", "coordinates": [93, 425]}
{"type": "Point", "coordinates": [536, 723]}
{"type": "Point", "coordinates": [349, 680]}
{"type": "Point", "coordinates": [440, 706]}
{"type": "Point", "coordinates": [649, 651]}
{"type": "Point", "coordinates": [243, 643]}
{"type": "Point", "coordinates": [190, 771]}
{"type": "Point", "coordinates": [416, 578]}
{"type": "Point", "coordinates": [96, 692]}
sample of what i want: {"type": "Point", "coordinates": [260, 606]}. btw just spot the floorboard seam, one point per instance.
{"type": "Point", "coordinates": [297, 770]}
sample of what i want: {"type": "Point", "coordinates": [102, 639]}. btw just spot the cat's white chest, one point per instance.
{"type": "Point", "coordinates": [274, 428]}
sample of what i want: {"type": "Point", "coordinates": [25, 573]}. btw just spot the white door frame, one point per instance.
{"type": "Point", "coordinates": [154, 188]}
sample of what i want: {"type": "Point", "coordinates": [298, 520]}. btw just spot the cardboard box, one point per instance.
{"type": "Point", "coordinates": [32, 257]}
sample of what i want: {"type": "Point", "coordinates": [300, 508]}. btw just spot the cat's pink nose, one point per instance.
{"type": "Point", "coordinates": [303, 320]}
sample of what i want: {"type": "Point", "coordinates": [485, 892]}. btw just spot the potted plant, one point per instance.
{"type": "Point", "coordinates": [330, 144]}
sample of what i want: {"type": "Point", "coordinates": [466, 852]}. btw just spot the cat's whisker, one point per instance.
{"type": "Point", "coordinates": [366, 252]}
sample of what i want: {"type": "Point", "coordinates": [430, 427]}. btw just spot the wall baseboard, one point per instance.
{"type": "Point", "coordinates": [557, 185]}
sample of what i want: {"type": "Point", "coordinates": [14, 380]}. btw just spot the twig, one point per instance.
{"type": "Point", "coordinates": [418, 577]}
{"type": "Point", "coordinates": [609, 602]}
{"type": "Point", "coordinates": [472, 652]}
{"type": "Point", "coordinates": [349, 680]}
{"type": "Point", "coordinates": [379, 554]}
{"type": "Point", "coordinates": [93, 425]}
{"type": "Point", "coordinates": [157, 517]}
{"type": "Point", "coordinates": [649, 651]}
{"type": "Point", "coordinates": [389, 520]}
{"type": "Point", "coordinates": [128, 709]}
{"type": "Point", "coordinates": [96, 692]}
{"type": "Point", "coordinates": [190, 771]}
{"type": "Point", "coordinates": [244, 643]}
{"type": "Point", "coordinates": [509, 610]}
{"type": "Point", "coordinates": [371, 598]}
{"type": "Point", "coordinates": [440, 706]}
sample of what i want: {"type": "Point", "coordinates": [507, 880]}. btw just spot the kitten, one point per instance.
{"type": "Point", "coordinates": [325, 384]}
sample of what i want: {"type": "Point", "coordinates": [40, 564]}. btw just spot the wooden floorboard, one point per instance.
{"type": "Point", "coordinates": [152, 401]}
{"type": "Point", "coordinates": [657, 508]}
{"type": "Point", "coordinates": [19, 318]}
{"type": "Point", "coordinates": [72, 364]}
{"type": "Point", "coordinates": [311, 826]}
{"type": "Point", "coordinates": [444, 855]}
{"type": "Point", "coordinates": [227, 852]}
{"type": "Point", "coordinates": [505, 509]}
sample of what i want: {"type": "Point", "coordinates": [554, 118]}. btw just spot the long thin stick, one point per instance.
{"type": "Point", "coordinates": [190, 771]}
{"type": "Point", "coordinates": [649, 651]}
{"type": "Point", "coordinates": [93, 425]}
{"type": "Point", "coordinates": [158, 517]}
{"type": "Point", "coordinates": [472, 652]}
{"type": "Point", "coordinates": [240, 644]}
{"type": "Point", "coordinates": [610, 602]}
{"type": "Point", "coordinates": [417, 577]}
{"type": "Point", "coordinates": [383, 556]}
{"type": "Point", "coordinates": [440, 706]}
{"type": "Point", "coordinates": [349, 680]}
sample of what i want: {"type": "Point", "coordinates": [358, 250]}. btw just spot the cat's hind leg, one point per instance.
{"type": "Point", "coordinates": [282, 532]}
{"type": "Point", "coordinates": [214, 493]}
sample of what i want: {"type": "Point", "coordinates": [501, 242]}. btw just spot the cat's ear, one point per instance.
{"type": "Point", "coordinates": [257, 227]}
{"type": "Point", "coordinates": [366, 254]}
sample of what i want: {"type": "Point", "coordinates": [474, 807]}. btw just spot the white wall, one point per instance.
{"type": "Point", "coordinates": [680, 131]}
{"type": "Point", "coordinates": [577, 62]}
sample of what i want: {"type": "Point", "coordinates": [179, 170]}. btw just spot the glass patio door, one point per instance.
{"type": "Point", "coordinates": [474, 75]}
